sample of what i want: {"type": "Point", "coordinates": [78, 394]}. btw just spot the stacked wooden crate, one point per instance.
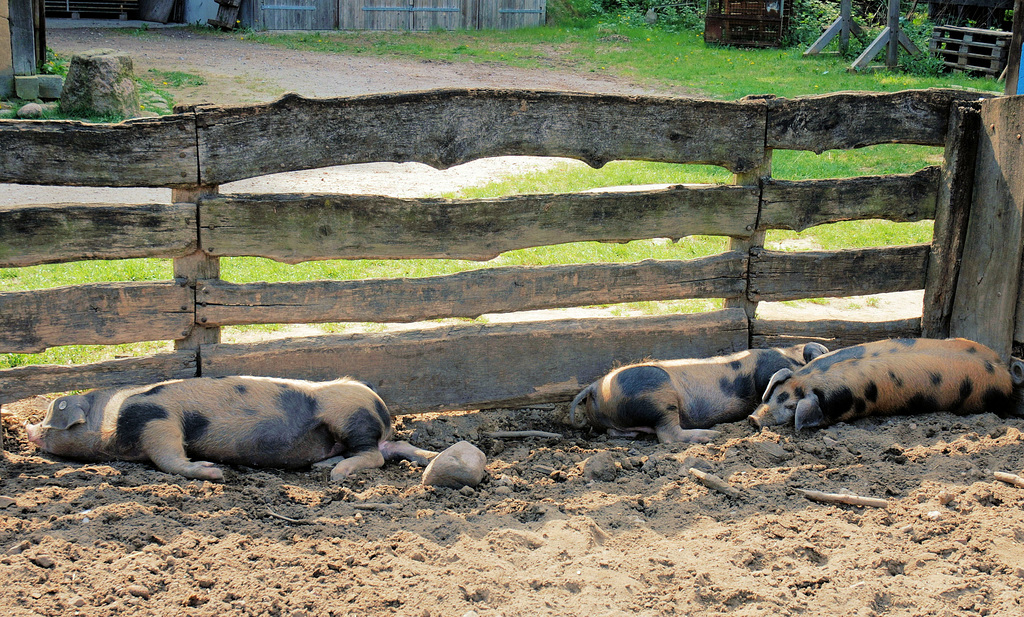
{"type": "Point", "coordinates": [971, 49]}
{"type": "Point", "coordinates": [747, 23]}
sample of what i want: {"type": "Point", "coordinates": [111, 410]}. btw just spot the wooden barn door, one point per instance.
{"type": "Point", "coordinates": [511, 14]}
{"type": "Point", "coordinates": [402, 14]}
{"type": "Point", "coordinates": [298, 14]}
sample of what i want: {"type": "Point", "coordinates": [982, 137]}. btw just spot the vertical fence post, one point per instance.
{"type": "Point", "coordinates": [985, 304]}
{"type": "Point", "coordinates": [952, 211]}
{"type": "Point", "coordinates": [195, 267]}
{"type": "Point", "coordinates": [756, 176]}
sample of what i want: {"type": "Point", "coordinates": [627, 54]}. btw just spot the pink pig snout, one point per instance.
{"type": "Point", "coordinates": [35, 434]}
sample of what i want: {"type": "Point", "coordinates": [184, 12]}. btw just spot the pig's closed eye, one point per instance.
{"type": "Point", "coordinates": [672, 408]}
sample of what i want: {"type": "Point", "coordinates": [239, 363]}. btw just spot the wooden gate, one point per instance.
{"type": "Point", "coordinates": [423, 15]}
{"type": "Point", "coordinates": [297, 14]}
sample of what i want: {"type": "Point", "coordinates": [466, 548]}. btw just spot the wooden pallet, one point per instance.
{"type": "Point", "coordinates": [971, 49]}
{"type": "Point", "coordinates": [227, 14]}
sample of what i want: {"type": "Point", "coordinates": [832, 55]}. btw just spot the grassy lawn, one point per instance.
{"type": "Point", "coordinates": [677, 61]}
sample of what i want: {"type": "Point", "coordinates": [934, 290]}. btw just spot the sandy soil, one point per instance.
{"type": "Point", "coordinates": [538, 537]}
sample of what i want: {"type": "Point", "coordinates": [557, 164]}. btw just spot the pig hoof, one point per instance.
{"type": "Point", "coordinates": [204, 470]}
{"type": "Point", "coordinates": [754, 422]}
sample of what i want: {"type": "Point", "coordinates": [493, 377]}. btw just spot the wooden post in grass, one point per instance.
{"type": "Point", "coordinates": [891, 38]}
{"type": "Point", "coordinates": [755, 176]}
{"type": "Point", "coordinates": [841, 27]}
{"type": "Point", "coordinates": [196, 267]}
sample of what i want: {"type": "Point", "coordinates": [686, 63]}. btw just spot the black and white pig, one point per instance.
{"type": "Point", "coordinates": [678, 399]}
{"type": "Point", "coordinates": [254, 421]}
{"type": "Point", "coordinates": [892, 377]}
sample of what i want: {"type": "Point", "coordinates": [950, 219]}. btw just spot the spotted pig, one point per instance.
{"type": "Point", "coordinates": [677, 399]}
{"type": "Point", "coordinates": [891, 377]}
{"type": "Point", "coordinates": [254, 421]}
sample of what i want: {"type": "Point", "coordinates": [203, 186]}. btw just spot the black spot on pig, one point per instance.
{"type": "Point", "coordinates": [735, 365]}
{"type": "Point", "coordinates": [972, 350]}
{"type": "Point", "coordinates": [798, 392]}
{"type": "Point", "coordinates": [989, 367]}
{"type": "Point", "coordinates": [698, 413]}
{"type": "Point", "coordinates": [742, 387]}
{"type": "Point", "coordinates": [362, 431]}
{"type": "Point", "coordinates": [154, 390]}
{"type": "Point", "coordinates": [382, 412]}
{"type": "Point", "coordinates": [906, 342]}
{"type": "Point", "coordinates": [241, 389]}
{"type": "Point", "coordinates": [871, 391]}
{"type": "Point", "coordinates": [782, 397]}
{"type": "Point", "coordinates": [936, 379]}
{"type": "Point", "coordinates": [823, 363]}
{"type": "Point", "coordinates": [859, 406]}
{"type": "Point", "coordinates": [896, 380]}
{"type": "Point", "coordinates": [194, 425]}
{"type": "Point", "coordinates": [132, 421]}
{"type": "Point", "coordinates": [767, 365]}
{"type": "Point", "coordinates": [996, 401]}
{"type": "Point", "coordinates": [297, 404]}
{"type": "Point", "coordinates": [920, 403]}
{"type": "Point", "coordinates": [835, 404]}
{"type": "Point", "coordinates": [636, 381]}
{"type": "Point", "coordinates": [639, 412]}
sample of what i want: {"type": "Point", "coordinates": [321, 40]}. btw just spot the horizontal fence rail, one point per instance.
{"type": "Point", "coordinates": [453, 366]}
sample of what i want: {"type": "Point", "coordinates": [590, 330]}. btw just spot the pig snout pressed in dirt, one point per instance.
{"type": "Point", "coordinates": [892, 377]}
{"type": "Point", "coordinates": [678, 399]}
{"type": "Point", "coordinates": [253, 421]}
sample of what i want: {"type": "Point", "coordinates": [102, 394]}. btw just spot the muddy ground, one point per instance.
{"type": "Point", "coordinates": [537, 537]}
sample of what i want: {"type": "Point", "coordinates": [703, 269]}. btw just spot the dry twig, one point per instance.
{"type": "Point", "coordinates": [1009, 478]}
{"type": "Point", "coordinates": [712, 481]}
{"type": "Point", "coordinates": [297, 521]}
{"type": "Point", "coordinates": [523, 434]}
{"type": "Point", "coordinates": [850, 500]}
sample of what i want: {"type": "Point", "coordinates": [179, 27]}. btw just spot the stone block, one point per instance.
{"type": "Point", "coordinates": [50, 87]}
{"type": "Point", "coordinates": [100, 82]}
{"type": "Point", "coordinates": [26, 86]}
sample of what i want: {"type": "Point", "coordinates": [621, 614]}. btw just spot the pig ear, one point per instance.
{"type": "Point", "coordinates": [581, 398]}
{"type": "Point", "coordinates": [808, 413]}
{"type": "Point", "coordinates": [780, 376]}
{"type": "Point", "coordinates": [63, 415]}
{"type": "Point", "coordinates": [813, 350]}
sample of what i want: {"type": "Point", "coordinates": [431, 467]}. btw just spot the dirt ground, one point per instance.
{"type": "Point", "coordinates": [537, 537]}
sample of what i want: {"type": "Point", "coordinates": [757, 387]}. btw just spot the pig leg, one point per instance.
{"type": "Point", "coordinates": [405, 451]}
{"type": "Point", "coordinates": [369, 459]}
{"type": "Point", "coordinates": [675, 434]}
{"type": "Point", "coordinates": [163, 443]}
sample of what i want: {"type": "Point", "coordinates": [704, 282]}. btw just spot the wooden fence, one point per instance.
{"type": "Point", "coordinates": [476, 365]}
{"type": "Point", "coordinates": [413, 15]}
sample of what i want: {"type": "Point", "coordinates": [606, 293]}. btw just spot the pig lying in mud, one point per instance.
{"type": "Point", "coordinates": [892, 377]}
{"type": "Point", "coordinates": [254, 421]}
{"type": "Point", "coordinates": [677, 399]}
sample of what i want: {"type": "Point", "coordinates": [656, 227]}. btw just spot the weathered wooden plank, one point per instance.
{"type": "Point", "coordinates": [801, 204]}
{"type": "Point", "coordinates": [777, 275]}
{"type": "Point", "coordinates": [479, 366]}
{"type": "Point", "coordinates": [952, 211]}
{"type": "Point", "coordinates": [846, 120]}
{"type": "Point", "coordinates": [55, 233]}
{"type": "Point", "coordinates": [35, 379]}
{"type": "Point", "coordinates": [295, 228]}
{"type": "Point", "coordinates": [96, 314]}
{"type": "Point", "coordinates": [469, 294]}
{"type": "Point", "coordinates": [833, 333]}
{"type": "Point", "coordinates": [986, 293]}
{"type": "Point", "coordinates": [443, 128]}
{"type": "Point", "coordinates": [141, 152]}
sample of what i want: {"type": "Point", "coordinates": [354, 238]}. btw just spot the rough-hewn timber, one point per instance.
{"type": "Point", "coordinates": [778, 275]}
{"type": "Point", "coordinates": [855, 119]}
{"type": "Point", "coordinates": [833, 333]}
{"type": "Point", "coordinates": [443, 128]}
{"type": "Point", "coordinates": [801, 204]}
{"type": "Point", "coordinates": [469, 367]}
{"type": "Point", "coordinates": [469, 294]}
{"type": "Point", "coordinates": [295, 228]}
{"type": "Point", "coordinates": [34, 379]}
{"type": "Point", "coordinates": [986, 293]}
{"type": "Point", "coordinates": [95, 314]}
{"type": "Point", "coordinates": [55, 233]}
{"type": "Point", "coordinates": [142, 152]}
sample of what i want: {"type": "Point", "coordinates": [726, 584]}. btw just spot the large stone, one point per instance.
{"type": "Point", "coordinates": [100, 82]}
{"type": "Point", "coordinates": [463, 464]}
{"type": "Point", "coordinates": [26, 87]}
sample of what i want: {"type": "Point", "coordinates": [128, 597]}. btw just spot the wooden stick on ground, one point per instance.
{"type": "Point", "coordinates": [713, 482]}
{"type": "Point", "coordinates": [851, 500]}
{"type": "Point", "coordinates": [285, 518]}
{"type": "Point", "coordinates": [1009, 478]}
